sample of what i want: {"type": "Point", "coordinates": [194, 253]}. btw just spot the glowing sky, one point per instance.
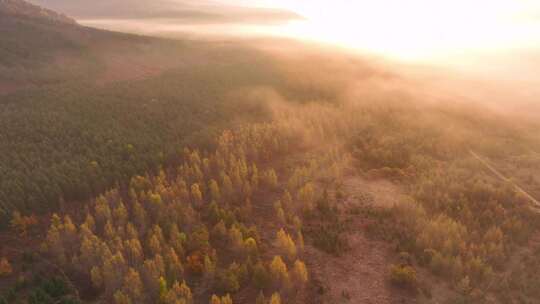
{"type": "Point", "coordinates": [414, 28]}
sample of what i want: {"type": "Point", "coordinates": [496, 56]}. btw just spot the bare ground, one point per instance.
{"type": "Point", "coordinates": [360, 275]}
{"type": "Point", "coordinates": [6, 88]}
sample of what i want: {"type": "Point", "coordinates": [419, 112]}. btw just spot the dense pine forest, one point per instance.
{"type": "Point", "coordinates": [144, 170]}
{"type": "Point", "coordinates": [235, 222]}
{"type": "Point", "coordinates": [119, 105]}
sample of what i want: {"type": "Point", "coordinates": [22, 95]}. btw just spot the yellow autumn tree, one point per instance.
{"type": "Point", "coordinates": [133, 286]}
{"type": "Point", "coordinates": [280, 213]}
{"type": "Point", "coordinates": [275, 299]}
{"type": "Point", "coordinates": [285, 244]}
{"type": "Point", "coordinates": [21, 224]}
{"type": "Point", "coordinates": [96, 277]}
{"type": "Point", "coordinates": [215, 300]}
{"type": "Point", "coordinates": [121, 298]}
{"type": "Point", "coordinates": [270, 178]}
{"type": "Point", "coordinates": [226, 299]}
{"type": "Point", "coordinates": [179, 293]}
{"type": "Point", "coordinates": [215, 193]}
{"type": "Point", "coordinates": [278, 270]}
{"type": "Point", "coordinates": [300, 272]}
{"type": "Point", "coordinates": [5, 267]}
{"type": "Point", "coordinates": [196, 194]}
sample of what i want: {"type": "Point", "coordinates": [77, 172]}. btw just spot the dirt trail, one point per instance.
{"type": "Point", "coordinates": [520, 190]}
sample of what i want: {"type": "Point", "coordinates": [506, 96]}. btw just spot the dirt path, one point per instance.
{"type": "Point", "coordinates": [520, 190]}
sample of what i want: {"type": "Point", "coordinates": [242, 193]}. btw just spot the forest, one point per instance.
{"type": "Point", "coordinates": [118, 104]}
{"type": "Point", "coordinates": [145, 170]}
{"type": "Point", "coordinates": [231, 222]}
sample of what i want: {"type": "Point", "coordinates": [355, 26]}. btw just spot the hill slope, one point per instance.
{"type": "Point", "coordinates": [72, 97]}
{"type": "Point", "coordinates": [21, 8]}
{"type": "Point", "coordinates": [83, 109]}
{"type": "Point", "coordinates": [39, 46]}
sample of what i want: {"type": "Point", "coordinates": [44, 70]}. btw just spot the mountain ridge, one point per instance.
{"type": "Point", "coordinates": [187, 11]}
{"type": "Point", "coordinates": [20, 8]}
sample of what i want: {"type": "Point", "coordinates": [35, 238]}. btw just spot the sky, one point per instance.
{"type": "Point", "coordinates": [416, 28]}
{"type": "Point", "coordinates": [494, 42]}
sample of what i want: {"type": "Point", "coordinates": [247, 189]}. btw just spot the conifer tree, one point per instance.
{"type": "Point", "coordinates": [300, 272]}
{"type": "Point", "coordinates": [286, 244]}
{"type": "Point", "coordinates": [280, 213]}
{"type": "Point", "coordinates": [250, 246]}
{"type": "Point", "coordinates": [133, 286]}
{"type": "Point", "coordinates": [113, 272]}
{"type": "Point", "coordinates": [275, 299]}
{"type": "Point", "coordinates": [271, 179]}
{"type": "Point", "coordinates": [236, 238]}
{"type": "Point", "coordinates": [120, 214]}
{"type": "Point", "coordinates": [261, 299]}
{"type": "Point", "coordinates": [215, 300]}
{"type": "Point", "coordinates": [175, 269]}
{"type": "Point", "coordinates": [5, 267]}
{"type": "Point", "coordinates": [121, 298]}
{"type": "Point", "coordinates": [300, 241]}
{"type": "Point", "coordinates": [196, 194]}
{"type": "Point", "coordinates": [226, 299]}
{"type": "Point", "coordinates": [215, 193]}
{"type": "Point", "coordinates": [261, 277]}
{"type": "Point", "coordinates": [227, 186]}
{"type": "Point", "coordinates": [154, 245]}
{"type": "Point", "coordinates": [278, 270]}
{"type": "Point", "coordinates": [96, 277]}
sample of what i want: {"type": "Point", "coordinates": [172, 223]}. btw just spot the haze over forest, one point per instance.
{"type": "Point", "coordinates": [494, 42]}
{"type": "Point", "coordinates": [268, 152]}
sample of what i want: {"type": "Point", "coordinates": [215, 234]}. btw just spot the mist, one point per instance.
{"type": "Point", "coordinates": [506, 81]}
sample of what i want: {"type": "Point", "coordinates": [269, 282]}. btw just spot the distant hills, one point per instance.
{"type": "Point", "coordinates": [19, 8]}
{"type": "Point", "coordinates": [190, 11]}
{"type": "Point", "coordinates": [39, 46]}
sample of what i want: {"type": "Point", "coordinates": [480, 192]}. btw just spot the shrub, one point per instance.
{"type": "Point", "coordinates": [55, 287]}
{"type": "Point", "coordinates": [403, 276]}
{"type": "Point", "coordinates": [39, 296]}
{"type": "Point", "coordinates": [329, 238]}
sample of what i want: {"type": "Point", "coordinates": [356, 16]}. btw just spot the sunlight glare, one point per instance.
{"type": "Point", "coordinates": [416, 29]}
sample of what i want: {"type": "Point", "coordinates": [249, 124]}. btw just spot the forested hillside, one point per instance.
{"type": "Point", "coordinates": [40, 47]}
{"type": "Point", "coordinates": [83, 109]}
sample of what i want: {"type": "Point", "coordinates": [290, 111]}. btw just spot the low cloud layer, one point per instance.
{"type": "Point", "coordinates": [188, 11]}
